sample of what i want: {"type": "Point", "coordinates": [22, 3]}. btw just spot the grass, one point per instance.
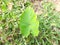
{"type": "Point", "coordinates": [49, 24]}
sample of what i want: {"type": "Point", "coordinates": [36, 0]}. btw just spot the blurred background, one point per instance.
{"type": "Point", "coordinates": [48, 13]}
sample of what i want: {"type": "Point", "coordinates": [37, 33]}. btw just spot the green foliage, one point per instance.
{"type": "Point", "coordinates": [29, 23]}
{"type": "Point", "coordinates": [9, 21]}
{"type": "Point", "coordinates": [49, 25]}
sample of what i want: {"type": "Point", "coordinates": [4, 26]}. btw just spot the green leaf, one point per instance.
{"type": "Point", "coordinates": [4, 8]}
{"type": "Point", "coordinates": [0, 17]}
{"type": "Point", "coordinates": [29, 23]}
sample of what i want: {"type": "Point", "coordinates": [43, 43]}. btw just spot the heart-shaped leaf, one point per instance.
{"type": "Point", "coordinates": [29, 23]}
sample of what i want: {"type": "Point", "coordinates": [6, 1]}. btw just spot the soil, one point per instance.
{"type": "Point", "coordinates": [37, 5]}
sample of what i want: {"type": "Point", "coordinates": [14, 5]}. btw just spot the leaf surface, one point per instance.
{"type": "Point", "coordinates": [29, 23]}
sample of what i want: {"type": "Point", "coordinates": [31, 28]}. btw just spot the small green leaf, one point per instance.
{"type": "Point", "coordinates": [4, 7]}
{"type": "Point", "coordinates": [29, 23]}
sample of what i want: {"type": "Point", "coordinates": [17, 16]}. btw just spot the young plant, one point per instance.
{"type": "Point", "coordinates": [29, 23]}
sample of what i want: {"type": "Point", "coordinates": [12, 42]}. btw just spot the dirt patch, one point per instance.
{"type": "Point", "coordinates": [37, 5]}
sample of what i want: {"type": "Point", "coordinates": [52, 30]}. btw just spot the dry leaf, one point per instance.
{"type": "Point", "coordinates": [10, 5]}
{"type": "Point", "coordinates": [37, 7]}
{"type": "Point", "coordinates": [0, 11]}
{"type": "Point", "coordinates": [57, 6]}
